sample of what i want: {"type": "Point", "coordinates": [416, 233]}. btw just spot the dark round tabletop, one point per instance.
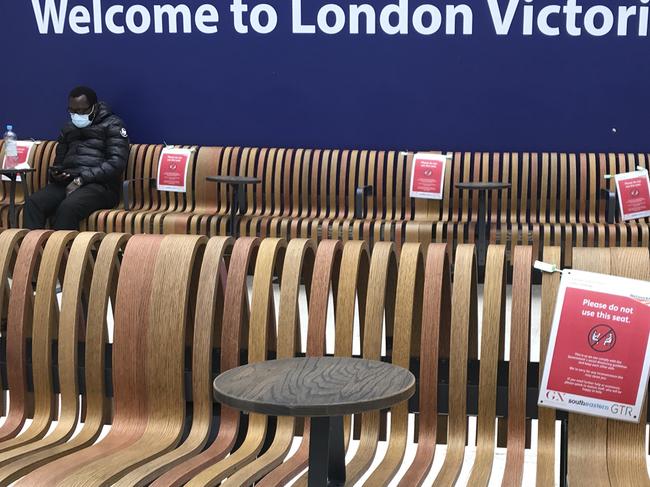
{"type": "Point", "coordinates": [314, 386]}
{"type": "Point", "coordinates": [234, 179]}
{"type": "Point", "coordinates": [478, 186]}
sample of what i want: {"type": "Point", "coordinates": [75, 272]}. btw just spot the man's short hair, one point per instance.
{"type": "Point", "coordinates": [89, 93]}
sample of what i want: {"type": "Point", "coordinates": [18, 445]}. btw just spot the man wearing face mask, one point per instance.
{"type": "Point", "coordinates": [88, 168]}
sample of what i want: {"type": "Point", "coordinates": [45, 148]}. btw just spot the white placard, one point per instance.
{"type": "Point", "coordinates": [172, 169]}
{"type": "Point", "coordinates": [633, 191]}
{"type": "Point", "coordinates": [428, 175]}
{"type": "Point", "coordinates": [598, 355]}
{"type": "Point", "coordinates": [21, 161]}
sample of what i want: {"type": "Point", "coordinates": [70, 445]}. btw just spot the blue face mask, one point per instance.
{"type": "Point", "coordinates": [81, 121]}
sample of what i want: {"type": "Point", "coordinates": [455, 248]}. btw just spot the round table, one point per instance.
{"type": "Point", "coordinates": [238, 200]}
{"type": "Point", "coordinates": [322, 388]}
{"type": "Point", "coordinates": [482, 189]}
{"type": "Point", "coordinates": [13, 175]}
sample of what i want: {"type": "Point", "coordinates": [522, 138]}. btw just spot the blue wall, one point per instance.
{"type": "Point", "coordinates": [478, 92]}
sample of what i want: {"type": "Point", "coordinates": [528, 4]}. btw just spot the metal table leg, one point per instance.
{"type": "Point", "coordinates": [12, 202]}
{"type": "Point", "coordinates": [326, 452]}
{"type": "Point", "coordinates": [234, 209]}
{"type": "Point", "coordinates": [482, 230]}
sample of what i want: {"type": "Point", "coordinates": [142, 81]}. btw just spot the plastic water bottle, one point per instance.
{"type": "Point", "coordinates": [11, 147]}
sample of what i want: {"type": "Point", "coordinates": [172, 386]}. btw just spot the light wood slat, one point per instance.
{"type": "Point", "coordinates": [545, 467]}
{"type": "Point", "coordinates": [353, 285]}
{"type": "Point", "coordinates": [298, 266]}
{"type": "Point", "coordinates": [408, 321]}
{"type": "Point", "coordinates": [78, 264]}
{"type": "Point", "coordinates": [104, 281]}
{"type": "Point", "coordinates": [45, 324]}
{"type": "Point", "coordinates": [380, 299]}
{"type": "Point", "coordinates": [9, 243]}
{"type": "Point", "coordinates": [209, 313]}
{"type": "Point", "coordinates": [19, 328]}
{"type": "Point", "coordinates": [270, 257]}
{"type": "Point", "coordinates": [463, 318]}
{"type": "Point", "coordinates": [235, 319]}
{"type": "Point", "coordinates": [517, 370]}
{"type": "Point", "coordinates": [493, 323]}
{"type": "Point", "coordinates": [131, 323]}
{"type": "Point", "coordinates": [326, 275]}
{"type": "Point", "coordinates": [436, 303]}
{"type": "Point", "coordinates": [164, 350]}
{"type": "Point", "coordinates": [626, 457]}
{"type": "Point", "coordinates": [587, 442]}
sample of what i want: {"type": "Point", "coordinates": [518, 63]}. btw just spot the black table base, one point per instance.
{"type": "Point", "coordinates": [326, 452]}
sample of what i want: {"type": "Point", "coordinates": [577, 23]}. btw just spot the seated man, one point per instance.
{"type": "Point", "coordinates": [87, 171]}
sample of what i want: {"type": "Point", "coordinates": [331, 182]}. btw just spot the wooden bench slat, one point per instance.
{"type": "Point", "coordinates": [463, 318]}
{"type": "Point", "coordinates": [493, 323]}
{"type": "Point", "coordinates": [545, 467]}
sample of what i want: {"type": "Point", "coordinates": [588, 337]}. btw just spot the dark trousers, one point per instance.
{"type": "Point", "coordinates": [65, 212]}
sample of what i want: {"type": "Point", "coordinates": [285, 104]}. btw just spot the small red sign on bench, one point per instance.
{"type": "Point", "coordinates": [633, 190]}
{"type": "Point", "coordinates": [428, 176]}
{"type": "Point", "coordinates": [172, 170]}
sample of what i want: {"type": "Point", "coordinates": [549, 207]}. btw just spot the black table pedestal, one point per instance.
{"type": "Point", "coordinates": [326, 452]}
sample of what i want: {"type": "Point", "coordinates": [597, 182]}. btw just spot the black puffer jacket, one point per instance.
{"type": "Point", "coordinates": [97, 153]}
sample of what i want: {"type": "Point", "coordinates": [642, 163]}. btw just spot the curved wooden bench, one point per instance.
{"type": "Point", "coordinates": [104, 281]}
{"type": "Point", "coordinates": [19, 323]}
{"type": "Point", "coordinates": [78, 264]}
{"type": "Point", "coordinates": [298, 266]}
{"type": "Point", "coordinates": [493, 324]}
{"type": "Point", "coordinates": [352, 288]}
{"type": "Point", "coordinates": [45, 323]}
{"type": "Point", "coordinates": [463, 325]}
{"type": "Point", "coordinates": [436, 308]}
{"type": "Point", "coordinates": [545, 468]}
{"type": "Point", "coordinates": [129, 339]}
{"type": "Point", "coordinates": [164, 349]}
{"type": "Point", "coordinates": [209, 314]}
{"type": "Point", "coordinates": [408, 310]}
{"type": "Point", "coordinates": [327, 267]}
{"type": "Point", "coordinates": [269, 261]}
{"type": "Point", "coordinates": [382, 283]}
{"type": "Point", "coordinates": [627, 462]}
{"type": "Point", "coordinates": [235, 315]}
{"type": "Point", "coordinates": [518, 366]}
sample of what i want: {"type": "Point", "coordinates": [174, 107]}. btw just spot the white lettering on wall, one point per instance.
{"type": "Point", "coordinates": [387, 17]}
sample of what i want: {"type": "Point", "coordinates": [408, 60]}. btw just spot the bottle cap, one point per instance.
{"type": "Point", "coordinates": [10, 128]}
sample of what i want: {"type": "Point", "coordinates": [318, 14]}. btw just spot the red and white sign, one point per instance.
{"type": "Point", "coordinates": [20, 161]}
{"type": "Point", "coordinates": [598, 356]}
{"type": "Point", "coordinates": [633, 190]}
{"type": "Point", "coordinates": [172, 169]}
{"type": "Point", "coordinates": [428, 176]}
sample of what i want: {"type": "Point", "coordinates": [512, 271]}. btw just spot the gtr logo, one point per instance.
{"type": "Point", "coordinates": [554, 396]}
{"type": "Point", "coordinates": [621, 409]}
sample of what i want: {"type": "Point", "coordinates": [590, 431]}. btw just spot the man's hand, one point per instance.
{"type": "Point", "coordinates": [59, 176]}
{"type": "Point", "coordinates": [73, 186]}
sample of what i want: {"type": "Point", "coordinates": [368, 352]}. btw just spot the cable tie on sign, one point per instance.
{"type": "Point", "coordinates": [546, 267]}
{"type": "Point", "coordinates": [449, 155]}
{"type": "Point", "coordinates": [609, 176]}
{"type": "Point", "coordinates": [641, 168]}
